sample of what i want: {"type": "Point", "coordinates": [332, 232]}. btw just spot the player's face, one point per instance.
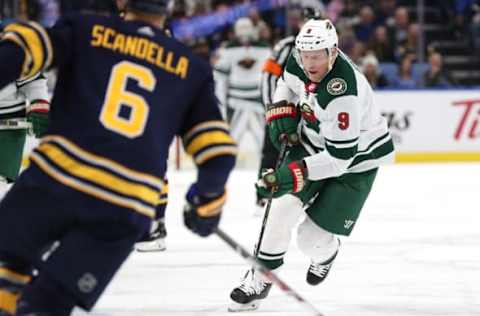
{"type": "Point", "coordinates": [315, 64]}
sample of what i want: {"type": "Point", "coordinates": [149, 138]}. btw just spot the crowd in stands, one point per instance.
{"type": "Point", "coordinates": [382, 37]}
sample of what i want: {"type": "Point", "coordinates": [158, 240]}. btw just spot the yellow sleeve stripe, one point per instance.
{"type": "Point", "coordinates": [98, 176]}
{"type": "Point", "coordinates": [37, 46]}
{"type": "Point", "coordinates": [8, 301]}
{"type": "Point", "coordinates": [90, 189]}
{"type": "Point", "coordinates": [106, 163]}
{"type": "Point", "coordinates": [34, 47]}
{"type": "Point", "coordinates": [213, 208]}
{"type": "Point", "coordinates": [14, 277]}
{"type": "Point", "coordinates": [205, 125]}
{"type": "Point", "coordinates": [206, 139]}
{"type": "Point", "coordinates": [215, 152]}
{"type": "Point", "coordinates": [46, 41]}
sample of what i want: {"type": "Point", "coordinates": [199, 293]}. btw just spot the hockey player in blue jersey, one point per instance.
{"type": "Point", "coordinates": [124, 90]}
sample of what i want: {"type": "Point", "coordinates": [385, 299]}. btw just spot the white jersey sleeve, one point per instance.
{"type": "Point", "coordinates": [35, 89]}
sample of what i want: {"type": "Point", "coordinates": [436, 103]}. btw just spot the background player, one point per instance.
{"type": "Point", "coordinates": [24, 107]}
{"type": "Point", "coordinates": [237, 77]}
{"type": "Point", "coordinates": [96, 178]}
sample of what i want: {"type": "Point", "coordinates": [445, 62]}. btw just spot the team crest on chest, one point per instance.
{"type": "Point", "coordinates": [336, 86]}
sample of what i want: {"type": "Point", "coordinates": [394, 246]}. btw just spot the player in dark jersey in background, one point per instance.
{"type": "Point", "coordinates": [124, 90]}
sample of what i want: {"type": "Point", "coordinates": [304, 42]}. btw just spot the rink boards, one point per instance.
{"type": "Point", "coordinates": [433, 125]}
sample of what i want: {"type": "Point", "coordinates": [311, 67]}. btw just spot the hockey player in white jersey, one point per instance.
{"type": "Point", "coordinates": [323, 100]}
{"type": "Point", "coordinates": [237, 77]}
{"type": "Point", "coordinates": [24, 107]}
{"type": "Point", "coordinates": [271, 72]}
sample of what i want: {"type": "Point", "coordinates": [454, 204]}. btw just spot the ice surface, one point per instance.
{"type": "Point", "coordinates": [415, 251]}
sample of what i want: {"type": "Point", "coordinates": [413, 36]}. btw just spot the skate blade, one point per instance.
{"type": "Point", "coordinates": [150, 247]}
{"type": "Point", "coordinates": [237, 307]}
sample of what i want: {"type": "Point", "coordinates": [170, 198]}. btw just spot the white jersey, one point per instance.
{"type": "Point", "coordinates": [341, 127]}
{"type": "Point", "coordinates": [238, 75]}
{"type": "Point", "coordinates": [15, 97]}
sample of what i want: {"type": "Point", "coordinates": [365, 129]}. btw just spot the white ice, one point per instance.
{"type": "Point", "coordinates": [415, 251]}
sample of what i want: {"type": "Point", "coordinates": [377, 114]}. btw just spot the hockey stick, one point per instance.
{"type": "Point", "coordinates": [266, 272]}
{"type": "Point", "coordinates": [281, 156]}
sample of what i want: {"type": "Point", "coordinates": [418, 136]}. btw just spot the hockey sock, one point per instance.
{"type": "Point", "coordinates": [46, 296]}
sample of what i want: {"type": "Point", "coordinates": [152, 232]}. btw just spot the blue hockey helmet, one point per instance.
{"type": "Point", "coordinates": [151, 6]}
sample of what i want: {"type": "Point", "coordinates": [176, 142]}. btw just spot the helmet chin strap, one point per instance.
{"type": "Point", "coordinates": [331, 58]}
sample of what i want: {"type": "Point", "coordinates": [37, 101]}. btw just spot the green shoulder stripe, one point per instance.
{"type": "Point", "coordinates": [340, 81]}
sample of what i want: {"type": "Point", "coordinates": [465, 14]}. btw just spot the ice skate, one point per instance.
{"type": "Point", "coordinates": [247, 296]}
{"type": "Point", "coordinates": [156, 240]}
{"type": "Point", "coordinates": [318, 271]}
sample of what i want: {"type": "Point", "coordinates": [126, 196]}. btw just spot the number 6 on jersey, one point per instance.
{"type": "Point", "coordinates": [117, 97]}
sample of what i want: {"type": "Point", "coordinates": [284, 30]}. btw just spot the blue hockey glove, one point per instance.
{"type": "Point", "coordinates": [203, 210]}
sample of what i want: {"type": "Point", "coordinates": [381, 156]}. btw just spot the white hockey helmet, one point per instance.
{"type": "Point", "coordinates": [244, 30]}
{"type": "Point", "coordinates": [317, 35]}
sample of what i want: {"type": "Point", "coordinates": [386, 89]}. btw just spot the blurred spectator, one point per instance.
{"type": "Point", "coordinates": [475, 27]}
{"type": "Point", "coordinates": [350, 9]}
{"type": "Point", "coordinates": [463, 12]}
{"type": "Point", "coordinates": [179, 10]}
{"type": "Point", "coordinates": [357, 52]}
{"type": "Point", "coordinates": [384, 12]}
{"type": "Point", "coordinates": [436, 76]}
{"type": "Point", "coordinates": [381, 45]}
{"type": "Point", "coordinates": [410, 44]}
{"type": "Point", "coordinates": [334, 10]}
{"type": "Point", "coordinates": [261, 27]}
{"type": "Point", "coordinates": [365, 24]}
{"type": "Point", "coordinates": [29, 10]}
{"type": "Point", "coordinates": [398, 32]}
{"type": "Point", "coordinates": [404, 79]}
{"type": "Point", "coordinates": [372, 72]}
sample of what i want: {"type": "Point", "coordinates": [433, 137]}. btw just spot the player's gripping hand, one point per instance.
{"type": "Point", "coordinates": [37, 115]}
{"type": "Point", "coordinates": [282, 119]}
{"type": "Point", "coordinates": [289, 178]}
{"type": "Point", "coordinates": [203, 210]}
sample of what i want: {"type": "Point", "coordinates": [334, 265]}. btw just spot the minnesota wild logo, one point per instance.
{"type": "Point", "coordinates": [337, 86]}
{"type": "Point", "coordinates": [309, 116]}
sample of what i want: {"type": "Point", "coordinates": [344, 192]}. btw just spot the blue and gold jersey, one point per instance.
{"type": "Point", "coordinates": [124, 90]}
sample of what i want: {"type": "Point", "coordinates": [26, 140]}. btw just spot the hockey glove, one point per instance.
{"type": "Point", "coordinates": [289, 178]}
{"type": "Point", "coordinates": [203, 210]}
{"type": "Point", "coordinates": [37, 115]}
{"type": "Point", "coordinates": [282, 119]}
